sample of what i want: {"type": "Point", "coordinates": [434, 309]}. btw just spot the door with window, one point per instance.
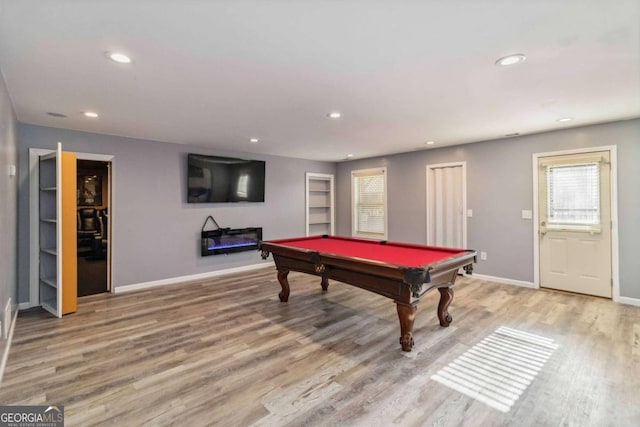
{"type": "Point", "coordinates": [575, 223]}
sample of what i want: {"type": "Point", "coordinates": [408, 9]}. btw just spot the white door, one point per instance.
{"type": "Point", "coordinates": [446, 205]}
{"type": "Point", "coordinates": [575, 223]}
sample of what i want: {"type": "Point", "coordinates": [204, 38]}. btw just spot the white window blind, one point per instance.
{"type": "Point", "coordinates": [574, 194]}
{"type": "Point", "coordinates": [369, 203]}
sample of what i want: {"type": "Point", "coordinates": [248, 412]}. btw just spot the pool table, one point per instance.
{"type": "Point", "coordinates": [402, 272]}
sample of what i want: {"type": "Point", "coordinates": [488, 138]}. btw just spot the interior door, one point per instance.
{"type": "Point", "coordinates": [575, 223]}
{"type": "Point", "coordinates": [57, 232]}
{"type": "Point", "coordinates": [446, 205]}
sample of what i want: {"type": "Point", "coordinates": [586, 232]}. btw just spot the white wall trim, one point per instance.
{"type": "Point", "coordinates": [629, 301]}
{"type": "Point", "coordinates": [25, 306]}
{"type": "Point", "coordinates": [464, 196]}
{"type": "Point", "coordinates": [502, 280]}
{"type": "Point", "coordinates": [7, 347]}
{"type": "Point", "coordinates": [181, 279]}
{"type": "Point", "coordinates": [615, 264]}
{"type": "Point", "coordinates": [621, 300]}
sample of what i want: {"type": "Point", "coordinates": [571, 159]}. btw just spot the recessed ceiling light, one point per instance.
{"type": "Point", "coordinates": [349, 156]}
{"type": "Point", "coordinates": [91, 114]}
{"type": "Point", "coordinates": [430, 142]}
{"type": "Point", "coordinates": [59, 115]}
{"type": "Point", "coordinates": [511, 60]}
{"type": "Point", "coordinates": [254, 140]}
{"type": "Point", "coordinates": [564, 119]}
{"type": "Point", "coordinates": [512, 134]}
{"type": "Point", "coordinates": [334, 115]}
{"type": "Point", "coordinates": [118, 57]}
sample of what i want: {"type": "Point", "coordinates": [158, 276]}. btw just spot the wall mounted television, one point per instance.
{"type": "Point", "coordinates": [213, 179]}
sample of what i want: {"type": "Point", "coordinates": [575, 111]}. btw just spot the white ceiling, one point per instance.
{"type": "Point", "coordinates": [215, 73]}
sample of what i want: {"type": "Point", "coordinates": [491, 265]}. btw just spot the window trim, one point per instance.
{"type": "Point", "coordinates": [354, 220]}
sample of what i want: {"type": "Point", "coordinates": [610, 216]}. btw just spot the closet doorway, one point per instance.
{"type": "Point", "coordinates": [35, 244]}
{"type": "Point", "coordinates": [447, 205]}
{"type": "Point", "coordinates": [93, 221]}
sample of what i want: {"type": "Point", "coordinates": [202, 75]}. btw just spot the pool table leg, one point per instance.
{"type": "Point", "coordinates": [446, 296]}
{"type": "Point", "coordinates": [406, 314]}
{"type": "Point", "coordinates": [284, 283]}
{"type": "Point", "coordinates": [324, 283]}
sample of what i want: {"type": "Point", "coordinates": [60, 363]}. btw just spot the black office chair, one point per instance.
{"type": "Point", "coordinates": [87, 230]}
{"type": "Point", "coordinates": [101, 240]}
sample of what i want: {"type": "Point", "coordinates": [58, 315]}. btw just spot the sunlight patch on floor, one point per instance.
{"type": "Point", "coordinates": [498, 369]}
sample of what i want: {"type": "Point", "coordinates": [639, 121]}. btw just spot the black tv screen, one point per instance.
{"type": "Point", "coordinates": [215, 179]}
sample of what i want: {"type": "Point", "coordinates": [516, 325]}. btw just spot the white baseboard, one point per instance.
{"type": "Point", "coordinates": [521, 283]}
{"type": "Point", "coordinates": [621, 300]}
{"type": "Point", "coordinates": [7, 347]}
{"type": "Point", "coordinates": [25, 305]}
{"type": "Point", "coordinates": [629, 301]}
{"type": "Point", "coordinates": [174, 280]}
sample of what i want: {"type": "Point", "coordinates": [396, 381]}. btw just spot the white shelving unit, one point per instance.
{"type": "Point", "coordinates": [50, 233]}
{"type": "Point", "coordinates": [320, 204]}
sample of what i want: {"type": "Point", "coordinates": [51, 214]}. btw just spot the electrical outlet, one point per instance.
{"type": "Point", "coordinates": [483, 256]}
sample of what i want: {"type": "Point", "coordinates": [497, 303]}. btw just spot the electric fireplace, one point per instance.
{"type": "Point", "coordinates": [230, 240]}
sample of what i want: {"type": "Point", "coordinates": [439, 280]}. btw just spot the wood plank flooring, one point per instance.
{"type": "Point", "coordinates": [226, 352]}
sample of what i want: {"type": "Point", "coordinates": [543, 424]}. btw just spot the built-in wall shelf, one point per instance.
{"type": "Point", "coordinates": [320, 202]}
{"type": "Point", "coordinates": [51, 281]}
{"type": "Point", "coordinates": [50, 305]}
{"type": "Point", "coordinates": [49, 230]}
{"type": "Point", "coordinates": [57, 241]}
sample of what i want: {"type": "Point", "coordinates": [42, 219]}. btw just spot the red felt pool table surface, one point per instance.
{"type": "Point", "coordinates": [392, 253]}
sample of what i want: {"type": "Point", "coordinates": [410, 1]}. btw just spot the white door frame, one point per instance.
{"type": "Point", "coordinates": [34, 215]}
{"type": "Point", "coordinates": [464, 197]}
{"type": "Point", "coordinates": [612, 149]}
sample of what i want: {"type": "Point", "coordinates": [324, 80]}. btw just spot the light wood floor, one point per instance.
{"type": "Point", "coordinates": [226, 352]}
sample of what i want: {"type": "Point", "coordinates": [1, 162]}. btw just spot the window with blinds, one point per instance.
{"type": "Point", "coordinates": [573, 193]}
{"type": "Point", "coordinates": [369, 203]}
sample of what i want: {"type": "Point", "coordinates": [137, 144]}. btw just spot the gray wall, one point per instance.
{"type": "Point", "coordinates": [8, 201]}
{"type": "Point", "coordinates": [499, 187]}
{"type": "Point", "coordinates": [155, 231]}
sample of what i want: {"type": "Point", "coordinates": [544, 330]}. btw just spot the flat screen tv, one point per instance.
{"type": "Point", "coordinates": [213, 179]}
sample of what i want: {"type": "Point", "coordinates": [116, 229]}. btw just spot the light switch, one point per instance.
{"type": "Point", "coordinates": [469, 213]}
{"type": "Point", "coordinates": [11, 170]}
{"type": "Point", "coordinates": [526, 214]}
